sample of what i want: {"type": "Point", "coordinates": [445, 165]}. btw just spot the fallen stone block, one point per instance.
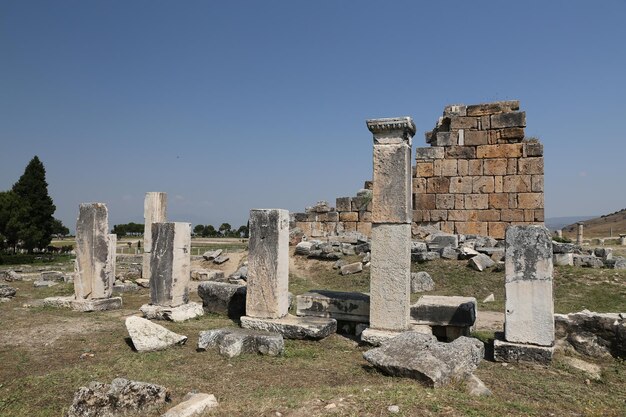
{"type": "Point", "coordinates": [223, 298]}
{"type": "Point", "coordinates": [52, 276]}
{"type": "Point", "coordinates": [352, 268]}
{"type": "Point", "coordinates": [481, 262]}
{"type": "Point", "coordinates": [44, 284]}
{"type": "Point", "coordinates": [179, 313]}
{"type": "Point", "coordinates": [563, 259]}
{"type": "Point", "coordinates": [441, 241]}
{"type": "Point", "coordinates": [304, 248]}
{"type": "Point", "coordinates": [143, 282]}
{"type": "Point", "coordinates": [377, 337]}
{"type": "Point", "coordinates": [604, 253]}
{"type": "Point", "coordinates": [6, 291]}
{"type": "Point", "coordinates": [221, 259]}
{"type": "Point", "coordinates": [593, 334]}
{"type": "Point", "coordinates": [558, 247]}
{"type": "Point", "coordinates": [438, 310]}
{"type": "Point", "coordinates": [121, 397]}
{"type": "Point", "coordinates": [147, 336]}
{"type": "Point", "coordinates": [10, 276]}
{"type": "Point", "coordinates": [125, 287]}
{"type": "Point", "coordinates": [193, 405]}
{"type": "Point", "coordinates": [348, 306]}
{"type": "Point", "coordinates": [422, 357]}
{"type": "Point", "coordinates": [449, 253]}
{"type": "Point", "coordinates": [207, 275]}
{"type": "Point", "coordinates": [292, 327]}
{"type": "Point", "coordinates": [421, 281]}
{"type": "Point", "coordinates": [233, 342]}
{"type": "Point", "coordinates": [489, 299]}
{"type": "Point", "coordinates": [587, 261]}
{"type": "Point", "coordinates": [425, 256]}
{"type": "Point", "coordinates": [504, 351]}
{"type": "Point", "coordinates": [240, 274]}
{"type": "Point", "coordinates": [475, 387]}
{"type": "Point", "coordinates": [467, 252]}
{"type": "Point", "coordinates": [417, 247]}
{"type": "Point", "coordinates": [100, 304]}
{"type": "Point", "coordinates": [212, 254]}
{"type": "Point", "coordinates": [617, 262]}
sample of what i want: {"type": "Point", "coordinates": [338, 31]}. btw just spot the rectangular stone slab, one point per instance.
{"type": "Point", "coordinates": [391, 201]}
{"type": "Point", "coordinates": [268, 263]}
{"type": "Point", "coordinates": [292, 327]}
{"type": "Point", "coordinates": [348, 306]}
{"type": "Point", "coordinates": [154, 211]}
{"type": "Point", "coordinates": [504, 351]}
{"type": "Point", "coordinates": [438, 310]}
{"type": "Point", "coordinates": [528, 286]}
{"type": "Point", "coordinates": [95, 277]}
{"type": "Point", "coordinates": [390, 276]}
{"type": "Point", "coordinates": [170, 264]}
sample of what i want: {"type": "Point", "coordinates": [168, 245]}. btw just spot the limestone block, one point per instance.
{"type": "Point", "coordinates": [463, 122]}
{"type": "Point", "coordinates": [497, 229]}
{"type": "Point", "coordinates": [493, 108]}
{"type": "Point", "coordinates": [170, 264]}
{"type": "Point", "coordinates": [459, 215]}
{"type": "Point", "coordinates": [422, 281]}
{"type": "Point", "coordinates": [343, 204]}
{"type": "Point", "coordinates": [488, 215]}
{"type": "Point", "coordinates": [497, 183]}
{"type": "Point", "coordinates": [233, 342]}
{"type": "Point", "coordinates": [154, 211]}
{"type": "Point", "coordinates": [392, 184]}
{"type": "Point", "coordinates": [530, 166]}
{"type": "Point", "coordinates": [424, 169]}
{"type": "Point", "coordinates": [180, 313]}
{"type": "Point", "coordinates": [362, 202]}
{"type": "Point", "coordinates": [495, 166]}
{"type": "Point", "coordinates": [537, 183]}
{"type": "Point", "coordinates": [436, 310]}
{"type": "Point", "coordinates": [348, 306]}
{"type": "Point", "coordinates": [512, 215]}
{"type": "Point", "coordinates": [292, 327]}
{"type": "Point", "coordinates": [530, 200]}
{"type": "Point", "coordinates": [471, 228]}
{"type": "Point", "coordinates": [476, 137]}
{"type": "Point", "coordinates": [268, 263]}
{"type": "Point", "coordinates": [444, 201]}
{"type": "Point", "coordinates": [483, 185]}
{"type": "Point", "coordinates": [463, 167]}
{"type": "Point", "coordinates": [512, 119]}
{"type": "Point", "coordinates": [476, 201]}
{"type": "Point", "coordinates": [513, 150]}
{"type": "Point", "coordinates": [349, 216]}
{"type": "Point", "coordinates": [461, 185]}
{"type": "Point", "coordinates": [528, 286]}
{"type": "Point", "coordinates": [429, 152]}
{"type": "Point", "coordinates": [393, 130]}
{"type": "Point", "coordinates": [508, 134]}
{"type": "Point", "coordinates": [425, 201]}
{"type": "Point", "coordinates": [95, 277]}
{"type": "Point", "coordinates": [533, 149]}
{"type": "Point", "coordinates": [511, 166]}
{"type": "Point", "coordinates": [438, 185]}
{"type": "Point", "coordinates": [449, 167]}
{"type": "Point", "coordinates": [460, 152]}
{"type": "Point", "coordinates": [352, 268]}
{"type": "Point", "coordinates": [390, 276]}
{"type": "Point", "coordinates": [147, 336]}
{"type": "Point", "coordinates": [517, 184]}
{"type": "Point", "coordinates": [481, 262]}
{"type": "Point", "coordinates": [498, 201]}
{"type": "Point", "coordinates": [331, 216]}
{"type": "Point", "coordinates": [193, 405]}
{"type": "Point", "coordinates": [445, 139]}
{"type": "Point", "coordinates": [365, 216]}
{"type": "Point", "coordinates": [504, 351]}
{"type": "Point", "coordinates": [455, 110]}
{"type": "Point", "coordinates": [563, 259]}
{"type": "Point", "coordinates": [475, 167]}
{"type": "Point", "coordinates": [365, 228]}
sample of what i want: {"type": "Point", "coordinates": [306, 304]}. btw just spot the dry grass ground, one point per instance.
{"type": "Point", "coordinates": [46, 354]}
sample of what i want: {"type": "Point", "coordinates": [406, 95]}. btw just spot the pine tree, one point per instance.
{"type": "Point", "coordinates": [36, 218]}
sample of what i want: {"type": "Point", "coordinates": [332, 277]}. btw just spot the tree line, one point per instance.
{"type": "Point", "coordinates": [26, 212]}
{"type": "Point", "coordinates": [225, 230]}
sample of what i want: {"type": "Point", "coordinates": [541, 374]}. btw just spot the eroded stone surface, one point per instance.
{"type": "Point", "coordinates": [170, 264]}
{"type": "Point", "coordinates": [224, 298]}
{"type": "Point", "coordinates": [528, 285]}
{"type": "Point", "coordinates": [268, 263]}
{"type": "Point", "coordinates": [121, 397]}
{"type": "Point", "coordinates": [504, 351]}
{"type": "Point", "coordinates": [148, 336]}
{"type": "Point", "coordinates": [95, 277]}
{"type": "Point", "coordinates": [439, 310]}
{"type": "Point", "coordinates": [193, 405]}
{"type": "Point", "coordinates": [154, 211]}
{"type": "Point", "coordinates": [593, 334]}
{"type": "Point", "coordinates": [179, 313]}
{"type": "Point", "coordinates": [234, 341]}
{"type": "Point", "coordinates": [421, 282]}
{"type": "Point", "coordinates": [348, 306]}
{"type": "Point", "coordinates": [292, 327]}
{"type": "Point", "coordinates": [422, 357]}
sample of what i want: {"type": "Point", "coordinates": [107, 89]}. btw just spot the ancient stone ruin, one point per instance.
{"type": "Point", "coordinates": [154, 211]}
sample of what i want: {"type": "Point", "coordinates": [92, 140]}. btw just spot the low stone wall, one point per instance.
{"type": "Point", "coordinates": [350, 214]}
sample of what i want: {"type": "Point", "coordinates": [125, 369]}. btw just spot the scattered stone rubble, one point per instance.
{"type": "Point", "coordinates": [422, 357]}
{"type": "Point", "coordinates": [233, 342]}
{"type": "Point", "coordinates": [592, 334]}
{"type": "Point", "coordinates": [147, 336]}
{"type": "Point", "coordinates": [121, 397]}
{"type": "Point", "coordinates": [6, 292]}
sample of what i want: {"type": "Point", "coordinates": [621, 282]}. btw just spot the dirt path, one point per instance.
{"type": "Point", "coordinates": [490, 320]}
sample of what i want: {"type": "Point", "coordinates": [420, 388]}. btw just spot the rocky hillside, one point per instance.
{"type": "Point", "coordinates": [600, 226]}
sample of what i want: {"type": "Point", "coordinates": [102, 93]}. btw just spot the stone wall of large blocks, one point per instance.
{"type": "Point", "coordinates": [479, 173]}
{"type": "Point", "coordinates": [350, 214]}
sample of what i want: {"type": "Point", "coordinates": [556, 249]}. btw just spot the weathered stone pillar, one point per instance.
{"type": "Point", "coordinates": [579, 235]}
{"type": "Point", "coordinates": [268, 264]}
{"type": "Point", "coordinates": [622, 240]}
{"type": "Point", "coordinates": [154, 211]}
{"type": "Point", "coordinates": [170, 262]}
{"type": "Point", "coordinates": [529, 320]}
{"type": "Point", "coordinates": [267, 296]}
{"type": "Point", "coordinates": [390, 274]}
{"type": "Point", "coordinates": [95, 253]}
{"type": "Point", "coordinates": [559, 233]}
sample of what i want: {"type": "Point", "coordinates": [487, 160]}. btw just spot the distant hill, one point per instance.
{"type": "Point", "coordinates": [602, 226]}
{"type": "Point", "coordinates": [556, 223]}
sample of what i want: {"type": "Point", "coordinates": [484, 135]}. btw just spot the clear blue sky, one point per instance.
{"type": "Point", "coordinates": [232, 105]}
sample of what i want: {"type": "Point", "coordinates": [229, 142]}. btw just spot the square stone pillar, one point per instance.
{"type": "Point", "coordinates": [154, 211]}
{"type": "Point", "coordinates": [170, 264]}
{"type": "Point", "coordinates": [390, 275]}
{"type": "Point", "coordinates": [95, 253]}
{"type": "Point", "coordinates": [112, 259]}
{"type": "Point", "coordinates": [529, 319]}
{"type": "Point", "coordinates": [579, 234]}
{"type": "Point", "coordinates": [268, 264]}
